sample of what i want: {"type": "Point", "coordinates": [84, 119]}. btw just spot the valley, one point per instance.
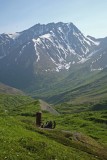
{"type": "Point", "coordinates": [53, 68]}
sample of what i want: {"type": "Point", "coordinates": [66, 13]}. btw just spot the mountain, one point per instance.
{"type": "Point", "coordinates": [49, 56]}
{"type": "Point", "coordinates": [60, 45]}
{"type": "Point", "coordinates": [99, 56]}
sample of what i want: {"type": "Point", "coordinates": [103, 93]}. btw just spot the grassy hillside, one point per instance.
{"type": "Point", "coordinates": [10, 103]}
{"type": "Point", "coordinates": [9, 90]}
{"type": "Point", "coordinates": [78, 85]}
{"type": "Point", "coordinates": [76, 136]}
{"type": "Point", "coordinates": [81, 88]}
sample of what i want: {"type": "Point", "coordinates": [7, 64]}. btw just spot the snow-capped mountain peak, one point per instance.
{"type": "Point", "coordinates": [52, 47]}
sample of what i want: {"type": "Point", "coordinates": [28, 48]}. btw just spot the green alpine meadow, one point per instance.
{"type": "Point", "coordinates": [80, 132]}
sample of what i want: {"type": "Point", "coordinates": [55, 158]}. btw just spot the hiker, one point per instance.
{"type": "Point", "coordinates": [50, 124]}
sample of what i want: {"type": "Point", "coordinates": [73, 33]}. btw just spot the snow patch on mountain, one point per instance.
{"type": "Point", "coordinates": [14, 35]}
{"type": "Point", "coordinates": [63, 66]}
{"type": "Point", "coordinates": [22, 50]}
{"type": "Point", "coordinates": [46, 36]}
{"type": "Point", "coordinates": [35, 46]}
{"type": "Point", "coordinates": [60, 29]}
{"type": "Point", "coordinates": [83, 60]}
{"type": "Point", "coordinates": [96, 69]}
{"type": "Point", "coordinates": [97, 43]}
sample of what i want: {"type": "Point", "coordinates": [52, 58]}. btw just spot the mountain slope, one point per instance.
{"type": "Point", "coordinates": [92, 88]}
{"type": "Point", "coordinates": [4, 89]}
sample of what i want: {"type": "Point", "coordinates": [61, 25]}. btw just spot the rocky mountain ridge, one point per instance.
{"type": "Point", "coordinates": [48, 48]}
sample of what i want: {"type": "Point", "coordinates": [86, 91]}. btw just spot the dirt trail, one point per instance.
{"type": "Point", "coordinates": [46, 107]}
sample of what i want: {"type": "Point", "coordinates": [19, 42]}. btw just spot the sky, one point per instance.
{"type": "Point", "coordinates": [90, 16]}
